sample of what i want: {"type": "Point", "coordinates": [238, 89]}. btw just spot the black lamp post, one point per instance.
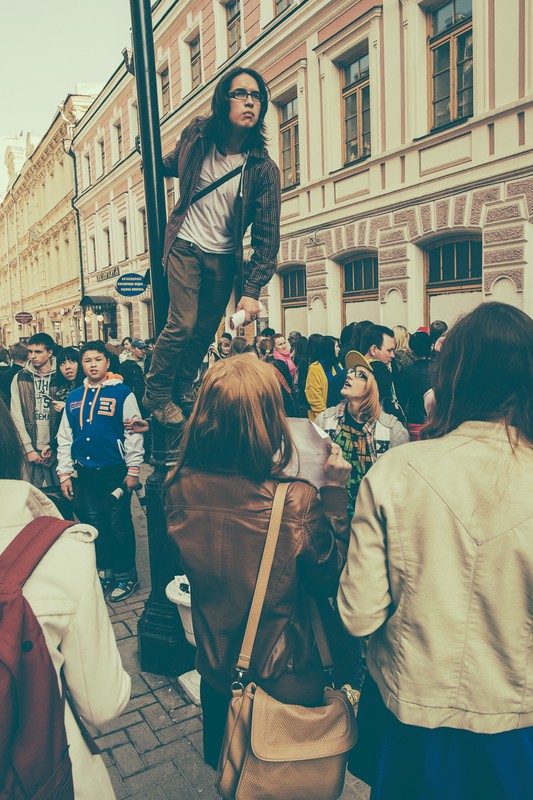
{"type": "Point", "coordinates": [163, 648]}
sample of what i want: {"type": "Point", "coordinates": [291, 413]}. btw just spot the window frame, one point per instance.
{"type": "Point", "coordinates": [356, 88]}
{"type": "Point", "coordinates": [195, 62]}
{"type": "Point", "coordinates": [233, 23]}
{"type": "Point", "coordinates": [164, 88]}
{"type": "Point", "coordinates": [297, 299]}
{"type": "Point", "coordinates": [125, 239]}
{"type": "Point", "coordinates": [280, 6]}
{"type": "Point", "coordinates": [454, 284]}
{"type": "Point", "coordinates": [449, 36]}
{"type": "Point", "coordinates": [290, 126]}
{"type": "Point", "coordinates": [365, 293]}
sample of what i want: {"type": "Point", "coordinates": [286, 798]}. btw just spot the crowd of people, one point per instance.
{"type": "Point", "coordinates": [414, 550]}
{"type": "Point", "coordinates": [426, 598]}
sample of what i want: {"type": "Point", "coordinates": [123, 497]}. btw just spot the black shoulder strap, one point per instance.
{"type": "Point", "coordinates": [212, 186]}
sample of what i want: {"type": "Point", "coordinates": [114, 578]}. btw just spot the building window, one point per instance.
{"type": "Point", "coordinates": [281, 5]}
{"type": "Point", "coordinates": [101, 156]}
{"type": "Point", "coordinates": [451, 59]}
{"type": "Point", "coordinates": [144, 227]}
{"type": "Point", "coordinates": [233, 23]}
{"type": "Point", "coordinates": [290, 147]}
{"type": "Point", "coordinates": [294, 286]}
{"type": "Point", "coordinates": [171, 199]}
{"type": "Point", "coordinates": [196, 63]}
{"type": "Point", "coordinates": [125, 245]}
{"type": "Point", "coordinates": [117, 136]}
{"type": "Point", "coordinates": [361, 276]}
{"type": "Point", "coordinates": [356, 97]}
{"type": "Point", "coordinates": [87, 170]}
{"type": "Point", "coordinates": [107, 245]}
{"type": "Point", "coordinates": [455, 264]}
{"type": "Point", "coordinates": [165, 91]}
{"type": "Point", "coordinates": [92, 254]}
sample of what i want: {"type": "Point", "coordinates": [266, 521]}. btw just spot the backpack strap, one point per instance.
{"type": "Point", "coordinates": [24, 553]}
{"type": "Point", "coordinates": [212, 186]}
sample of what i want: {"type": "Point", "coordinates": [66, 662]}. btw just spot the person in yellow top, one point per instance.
{"type": "Point", "coordinates": [320, 374]}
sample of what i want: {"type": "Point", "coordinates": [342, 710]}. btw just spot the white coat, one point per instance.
{"type": "Point", "coordinates": [65, 595]}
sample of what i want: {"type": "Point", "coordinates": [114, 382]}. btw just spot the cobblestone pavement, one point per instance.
{"type": "Point", "coordinates": [154, 750]}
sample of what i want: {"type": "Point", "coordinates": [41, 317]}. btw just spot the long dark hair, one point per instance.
{"type": "Point", "coordinates": [485, 372]}
{"type": "Point", "coordinates": [325, 352]}
{"type": "Point", "coordinates": [218, 126]}
{"type": "Point", "coordinates": [68, 354]}
{"type": "Point", "coordinates": [12, 459]}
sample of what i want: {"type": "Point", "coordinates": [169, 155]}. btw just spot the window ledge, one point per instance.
{"type": "Point", "coordinates": [351, 164]}
{"type": "Point", "coordinates": [442, 128]}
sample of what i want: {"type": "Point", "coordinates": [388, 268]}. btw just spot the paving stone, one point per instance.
{"type": "Point", "coordinates": [156, 793]}
{"type": "Point", "coordinates": [168, 752]}
{"type": "Point", "coordinates": [156, 717]}
{"type": "Point", "coordinates": [138, 686]}
{"type": "Point", "coordinates": [170, 697]}
{"type": "Point", "coordinates": [151, 776]}
{"type": "Point", "coordinates": [111, 740]}
{"type": "Point", "coordinates": [155, 681]}
{"type": "Point", "coordinates": [131, 624]}
{"type": "Point", "coordinates": [121, 722]}
{"type": "Point", "coordinates": [140, 702]}
{"type": "Point", "coordinates": [123, 615]}
{"type": "Point", "coordinates": [176, 789]}
{"type": "Point", "coordinates": [195, 770]}
{"type": "Point", "coordinates": [143, 737]}
{"type": "Point", "coordinates": [184, 729]}
{"type": "Point", "coordinates": [186, 712]}
{"type": "Point", "coordinates": [196, 739]}
{"type": "Point", "coordinates": [120, 630]}
{"type": "Point", "coordinates": [127, 760]}
{"type": "Point", "coordinates": [107, 759]}
{"type": "Point", "coordinates": [120, 788]}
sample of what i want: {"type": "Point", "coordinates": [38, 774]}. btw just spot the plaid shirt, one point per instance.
{"type": "Point", "coordinates": [258, 204]}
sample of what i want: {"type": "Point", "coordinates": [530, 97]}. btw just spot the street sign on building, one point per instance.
{"type": "Point", "coordinates": [23, 317]}
{"type": "Point", "coordinates": [130, 284]}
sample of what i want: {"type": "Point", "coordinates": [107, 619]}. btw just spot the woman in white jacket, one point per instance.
{"type": "Point", "coordinates": [65, 595]}
{"type": "Point", "coordinates": [440, 575]}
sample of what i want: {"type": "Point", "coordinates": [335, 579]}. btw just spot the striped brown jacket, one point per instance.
{"type": "Point", "coordinates": [258, 204]}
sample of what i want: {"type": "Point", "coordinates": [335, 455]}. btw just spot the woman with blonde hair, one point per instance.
{"type": "Point", "coordinates": [402, 352]}
{"type": "Point", "coordinates": [218, 502]}
{"type": "Point", "coordinates": [359, 425]}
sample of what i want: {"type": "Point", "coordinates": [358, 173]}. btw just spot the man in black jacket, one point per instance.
{"type": "Point", "coordinates": [378, 345]}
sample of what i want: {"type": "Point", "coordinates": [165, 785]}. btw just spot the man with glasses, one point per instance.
{"type": "Point", "coordinates": [227, 183]}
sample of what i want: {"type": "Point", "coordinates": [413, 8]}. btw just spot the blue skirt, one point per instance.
{"type": "Point", "coordinates": [407, 762]}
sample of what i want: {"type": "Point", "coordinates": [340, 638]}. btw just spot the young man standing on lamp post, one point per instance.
{"type": "Point", "coordinates": [227, 183]}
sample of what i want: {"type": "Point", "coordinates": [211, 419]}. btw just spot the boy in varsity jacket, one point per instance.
{"type": "Point", "coordinates": [92, 441]}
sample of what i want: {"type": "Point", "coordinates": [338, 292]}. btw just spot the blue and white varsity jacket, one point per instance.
{"type": "Point", "coordinates": [92, 432]}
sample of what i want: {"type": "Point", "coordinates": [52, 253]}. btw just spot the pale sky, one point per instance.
{"type": "Point", "coordinates": [47, 47]}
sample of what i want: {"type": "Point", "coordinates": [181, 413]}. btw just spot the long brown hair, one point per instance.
{"type": "Point", "coordinates": [238, 424]}
{"type": "Point", "coordinates": [485, 372]}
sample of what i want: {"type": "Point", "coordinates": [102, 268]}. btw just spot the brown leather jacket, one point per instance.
{"type": "Point", "coordinates": [219, 525]}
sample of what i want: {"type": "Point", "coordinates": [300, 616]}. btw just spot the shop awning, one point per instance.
{"type": "Point", "coordinates": [97, 300]}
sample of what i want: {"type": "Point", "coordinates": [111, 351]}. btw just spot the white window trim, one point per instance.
{"type": "Point", "coordinates": [283, 88]}
{"type": "Point", "coordinates": [133, 116]}
{"type": "Point", "coordinates": [115, 156]}
{"type": "Point", "coordinates": [332, 55]}
{"type": "Point", "coordinates": [193, 32]}
{"type": "Point", "coordinates": [162, 65]}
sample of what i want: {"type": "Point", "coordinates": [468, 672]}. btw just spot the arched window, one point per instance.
{"type": "Point", "coordinates": [360, 285]}
{"type": "Point", "coordinates": [453, 277]}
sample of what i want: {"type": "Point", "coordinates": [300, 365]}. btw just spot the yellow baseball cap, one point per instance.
{"type": "Point", "coordinates": [354, 359]}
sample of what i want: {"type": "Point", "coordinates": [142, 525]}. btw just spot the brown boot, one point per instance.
{"type": "Point", "coordinates": [170, 415]}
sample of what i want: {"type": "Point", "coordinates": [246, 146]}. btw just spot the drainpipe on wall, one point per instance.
{"type": "Point", "coordinates": [67, 146]}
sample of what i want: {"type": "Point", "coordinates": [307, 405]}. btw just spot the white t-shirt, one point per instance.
{"type": "Point", "coordinates": [209, 221]}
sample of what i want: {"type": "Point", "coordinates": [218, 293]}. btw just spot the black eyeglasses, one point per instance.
{"type": "Point", "coordinates": [243, 95]}
{"type": "Point", "coordinates": [358, 373]}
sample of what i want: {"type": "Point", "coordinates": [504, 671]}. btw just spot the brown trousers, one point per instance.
{"type": "Point", "coordinates": [200, 287]}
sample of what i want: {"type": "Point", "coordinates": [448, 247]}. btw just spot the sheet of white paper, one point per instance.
{"type": "Point", "coordinates": [311, 448]}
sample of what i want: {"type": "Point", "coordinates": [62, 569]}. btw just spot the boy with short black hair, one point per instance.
{"type": "Point", "coordinates": [107, 459]}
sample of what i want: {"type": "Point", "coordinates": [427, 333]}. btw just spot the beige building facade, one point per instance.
{"type": "Point", "coordinates": [404, 134]}
{"type": "Point", "coordinates": [39, 246]}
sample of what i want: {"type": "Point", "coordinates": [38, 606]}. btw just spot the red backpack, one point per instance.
{"type": "Point", "coordinates": [34, 759]}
